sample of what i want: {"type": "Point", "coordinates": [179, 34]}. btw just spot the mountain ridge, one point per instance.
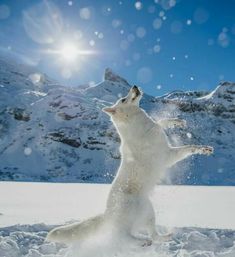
{"type": "Point", "coordinates": [49, 132]}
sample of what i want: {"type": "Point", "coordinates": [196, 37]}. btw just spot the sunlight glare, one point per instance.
{"type": "Point", "coordinates": [69, 52]}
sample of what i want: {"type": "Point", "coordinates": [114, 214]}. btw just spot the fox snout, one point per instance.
{"type": "Point", "coordinates": [136, 90]}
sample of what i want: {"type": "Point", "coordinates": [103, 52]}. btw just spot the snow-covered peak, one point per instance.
{"type": "Point", "coordinates": [224, 93]}
{"type": "Point", "coordinates": [109, 75]}
{"type": "Point", "coordinates": [110, 89]}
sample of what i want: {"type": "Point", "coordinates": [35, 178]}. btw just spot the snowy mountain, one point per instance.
{"type": "Point", "coordinates": [50, 132]}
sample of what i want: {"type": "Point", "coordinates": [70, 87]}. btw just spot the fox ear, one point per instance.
{"type": "Point", "coordinates": [109, 110]}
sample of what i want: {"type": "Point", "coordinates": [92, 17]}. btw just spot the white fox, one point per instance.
{"type": "Point", "coordinates": [146, 154]}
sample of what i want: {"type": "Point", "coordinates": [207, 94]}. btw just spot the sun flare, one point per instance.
{"type": "Point", "coordinates": [69, 52]}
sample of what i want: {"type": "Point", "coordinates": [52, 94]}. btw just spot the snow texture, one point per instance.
{"type": "Point", "coordinates": [180, 210]}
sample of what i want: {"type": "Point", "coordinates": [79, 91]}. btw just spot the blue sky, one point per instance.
{"type": "Point", "coordinates": [160, 45]}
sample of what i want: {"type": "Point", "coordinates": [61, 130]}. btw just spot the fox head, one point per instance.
{"type": "Point", "coordinates": [125, 107]}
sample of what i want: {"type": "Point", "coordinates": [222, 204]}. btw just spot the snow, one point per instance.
{"type": "Point", "coordinates": [191, 206]}
{"type": "Point", "coordinates": [202, 215]}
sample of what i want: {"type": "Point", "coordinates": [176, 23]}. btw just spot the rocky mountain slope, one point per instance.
{"type": "Point", "coordinates": [50, 132]}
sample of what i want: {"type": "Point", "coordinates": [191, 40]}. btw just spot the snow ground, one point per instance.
{"type": "Point", "coordinates": [203, 218]}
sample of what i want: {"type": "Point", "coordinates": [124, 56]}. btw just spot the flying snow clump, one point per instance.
{"type": "Point", "coordinates": [157, 23]}
{"type": "Point", "coordinates": [138, 5]}
{"type": "Point", "coordinates": [130, 38]}
{"type": "Point", "coordinates": [157, 48]}
{"type": "Point", "coordinates": [36, 78]}
{"type": "Point", "coordinates": [140, 32]}
{"type": "Point", "coordinates": [85, 13]}
{"type": "Point", "coordinates": [92, 42]}
{"type": "Point", "coordinates": [223, 38]}
{"type": "Point", "coordinates": [27, 151]}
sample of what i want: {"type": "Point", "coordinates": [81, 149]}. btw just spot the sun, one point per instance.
{"type": "Point", "coordinates": [69, 52]}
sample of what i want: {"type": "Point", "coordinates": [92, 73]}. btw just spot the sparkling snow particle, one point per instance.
{"type": "Point", "coordinates": [35, 78]}
{"type": "Point", "coordinates": [191, 78]}
{"type": "Point", "coordinates": [140, 32]}
{"type": "Point", "coordinates": [92, 42]}
{"type": "Point", "coordinates": [144, 75]}
{"type": "Point", "coordinates": [172, 3]}
{"type": "Point", "coordinates": [159, 87]}
{"type": "Point", "coordinates": [122, 31]}
{"type": "Point", "coordinates": [70, 3]}
{"type": "Point", "coordinates": [201, 15]}
{"type": "Point", "coordinates": [220, 170]}
{"type": "Point", "coordinates": [189, 135]}
{"type": "Point", "coordinates": [157, 23]}
{"type": "Point", "coordinates": [85, 13]}
{"type": "Point", "coordinates": [189, 22]}
{"type": "Point", "coordinates": [138, 5]}
{"type": "Point", "coordinates": [124, 45]}
{"type": "Point", "coordinates": [106, 10]}
{"type": "Point", "coordinates": [223, 39]}
{"type": "Point", "coordinates": [100, 35]}
{"type": "Point", "coordinates": [116, 23]}
{"type": "Point", "coordinates": [171, 75]}
{"type": "Point", "coordinates": [4, 11]}
{"type": "Point", "coordinates": [157, 48]}
{"type": "Point", "coordinates": [186, 56]}
{"type": "Point", "coordinates": [130, 38]}
{"type": "Point", "coordinates": [159, 39]}
{"type": "Point", "coordinates": [173, 58]}
{"type": "Point", "coordinates": [120, 2]}
{"type": "Point", "coordinates": [161, 13]}
{"type": "Point", "coordinates": [164, 18]}
{"type": "Point", "coordinates": [176, 27]}
{"type": "Point", "coordinates": [27, 151]}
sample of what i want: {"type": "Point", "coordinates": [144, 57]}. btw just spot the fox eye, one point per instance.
{"type": "Point", "coordinates": [123, 100]}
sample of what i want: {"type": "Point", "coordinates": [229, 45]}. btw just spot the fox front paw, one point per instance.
{"type": "Point", "coordinates": [206, 150]}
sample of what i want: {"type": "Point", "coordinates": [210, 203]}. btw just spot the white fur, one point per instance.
{"type": "Point", "coordinates": [146, 154]}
